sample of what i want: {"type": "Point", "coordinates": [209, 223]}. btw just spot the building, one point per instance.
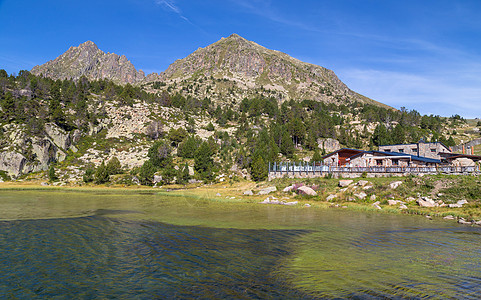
{"type": "Point", "coordinates": [421, 149]}
{"type": "Point", "coordinates": [360, 158]}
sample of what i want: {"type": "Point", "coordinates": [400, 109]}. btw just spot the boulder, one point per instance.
{"type": "Point", "coordinates": [290, 203]}
{"type": "Point", "coordinates": [346, 182]}
{"type": "Point", "coordinates": [372, 198]}
{"type": "Point", "coordinates": [267, 190]}
{"type": "Point", "coordinates": [463, 221]}
{"type": "Point", "coordinates": [449, 217]}
{"type": "Point", "coordinates": [426, 202]}
{"type": "Point", "coordinates": [393, 185]}
{"type": "Point", "coordinates": [12, 162]}
{"type": "Point", "coordinates": [59, 137]}
{"type": "Point", "coordinates": [307, 205]}
{"type": "Point", "coordinates": [403, 206]}
{"type": "Point", "coordinates": [248, 193]}
{"type": "Point", "coordinates": [361, 195]}
{"type": "Point", "coordinates": [454, 205]}
{"type": "Point", "coordinates": [331, 197]}
{"type": "Point", "coordinates": [376, 205]}
{"type": "Point", "coordinates": [462, 202]}
{"type": "Point", "coordinates": [157, 179]}
{"type": "Point", "coordinates": [287, 189]}
{"type": "Point", "coordinates": [362, 182]}
{"type": "Point", "coordinates": [307, 191]}
{"type": "Point", "coordinates": [367, 187]}
{"type": "Point", "coordinates": [218, 194]}
{"type": "Point", "coordinates": [329, 145]}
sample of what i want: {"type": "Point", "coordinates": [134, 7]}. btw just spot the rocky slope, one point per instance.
{"type": "Point", "coordinates": [234, 67]}
{"type": "Point", "coordinates": [226, 71]}
{"type": "Point", "coordinates": [88, 60]}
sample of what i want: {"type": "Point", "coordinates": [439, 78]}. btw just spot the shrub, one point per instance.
{"type": "Point", "coordinates": [101, 174]}
{"type": "Point", "coordinates": [51, 174]}
{"type": "Point", "coordinates": [113, 166]}
{"type": "Point", "coordinates": [146, 173]}
{"type": "Point", "coordinates": [89, 175]}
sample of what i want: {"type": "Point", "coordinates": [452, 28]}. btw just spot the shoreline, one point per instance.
{"type": "Point", "coordinates": [233, 193]}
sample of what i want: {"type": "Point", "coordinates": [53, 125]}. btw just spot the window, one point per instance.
{"type": "Point", "coordinates": [378, 162]}
{"type": "Point", "coordinates": [401, 150]}
{"type": "Point", "coordinates": [387, 150]}
{"type": "Point", "coordinates": [395, 162]}
{"type": "Point", "coordinates": [433, 150]}
{"type": "Point", "coordinates": [414, 149]}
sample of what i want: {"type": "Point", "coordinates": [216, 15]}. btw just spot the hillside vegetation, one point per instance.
{"type": "Point", "coordinates": [98, 131]}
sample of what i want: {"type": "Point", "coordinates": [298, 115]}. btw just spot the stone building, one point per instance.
{"type": "Point", "coordinates": [422, 149]}
{"type": "Point", "coordinates": [360, 158]}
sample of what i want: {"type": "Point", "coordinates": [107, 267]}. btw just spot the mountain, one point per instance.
{"type": "Point", "coordinates": [240, 68]}
{"type": "Point", "coordinates": [226, 71]}
{"type": "Point", "coordinates": [88, 60]}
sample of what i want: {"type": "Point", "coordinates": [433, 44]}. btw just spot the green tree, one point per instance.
{"type": "Point", "coordinates": [51, 174]}
{"type": "Point", "coordinates": [160, 154]}
{"type": "Point", "coordinates": [183, 175]}
{"type": "Point", "coordinates": [317, 156]}
{"type": "Point", "coordinates": [203, 162]}
{"type": "Point", "coordinates": [146, 173]}
{"type": "Point", "coordinates": [89, 175]}
{"type": "Point", "coordinates": [380, 135]}
{"type": "Point", "coordinates": [176, 136]}
{"type": "Point", "coordinates": [259, 170]}
{"type": "Point", "coordinates": [210, 127]}
{"type": "Point", "coordinates": [101, 174]}
{"type": "Point", "coordinates": [187, 148]}
{"type": "Point", "coordinates": [113, 166]}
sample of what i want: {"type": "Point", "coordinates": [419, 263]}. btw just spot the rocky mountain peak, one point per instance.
{"type": "Point", "coordinates": [88, 60]}
{"type": "Point", "coordinates": [252, 67]}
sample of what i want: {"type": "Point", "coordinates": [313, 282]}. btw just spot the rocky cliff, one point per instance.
{"type": "Point", "coordinates": [233, 67]}
{"type": "Point", "coordinates": [88, 60]}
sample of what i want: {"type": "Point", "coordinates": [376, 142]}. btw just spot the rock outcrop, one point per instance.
{"type": "Point", "coordinates": [89, 61]}
{"type": "Point", "coordinates": [234, 65]}
{"type": "Point", "coordinates": [12, 163]}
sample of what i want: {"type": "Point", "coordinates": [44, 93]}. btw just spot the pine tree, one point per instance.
{"type": "Point", "coordinates": [113, 166]}
{"type": "Point", "coordinates": [146, 173]}
{"type": "Point", "coordinates": [101, 174]}
{"type": "Point", "coordinates": [317, 156]}
{"type": "Point", "coordinates": [51, 174]}
{"type": "Point", "coordinates": [259, 170]}
{"type": "Point", "coordinates": [203, 162]}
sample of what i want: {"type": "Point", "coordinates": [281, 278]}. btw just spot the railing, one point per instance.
{"type": "Point", "coordinates": [318, 168]}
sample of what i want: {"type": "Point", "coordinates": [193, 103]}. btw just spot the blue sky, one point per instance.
{"type": "Point", "coordinates": [423, 55]}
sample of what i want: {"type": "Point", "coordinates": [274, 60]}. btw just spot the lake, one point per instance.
{"type": "Point", "coordinates": [129, 245]}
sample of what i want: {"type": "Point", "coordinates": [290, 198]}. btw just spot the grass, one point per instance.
{"type": "Point", "coordinates": [447, 188]}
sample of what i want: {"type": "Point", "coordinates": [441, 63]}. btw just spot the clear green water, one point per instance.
{"type": "Point", "coordinates": [144, 246]}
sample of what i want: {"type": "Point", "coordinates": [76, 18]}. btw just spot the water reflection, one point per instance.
{"type": "Point", "coordinates": [96, 257]}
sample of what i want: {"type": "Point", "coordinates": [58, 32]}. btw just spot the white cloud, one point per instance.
{"type": "Point", "coordinates": [171, 6]}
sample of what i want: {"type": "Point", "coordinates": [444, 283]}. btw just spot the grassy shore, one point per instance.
{"type": "Point", "coordinates": [448, 189]}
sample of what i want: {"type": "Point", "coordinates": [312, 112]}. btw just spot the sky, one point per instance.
{"type": "Point", "coordinates": [423, 55]}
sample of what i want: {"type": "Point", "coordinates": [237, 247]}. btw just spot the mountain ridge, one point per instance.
{"type": "Point", "coordinates": [88, 60]}
{"type": "Point", "coordinates": [237, 67]}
